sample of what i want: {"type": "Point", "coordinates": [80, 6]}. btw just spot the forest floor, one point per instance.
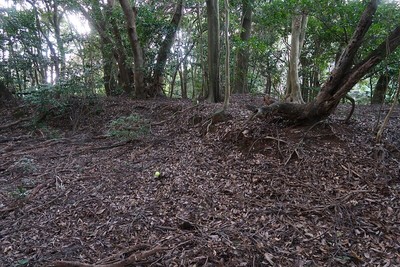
{"type": "Point", "coordinates": [153, 183]}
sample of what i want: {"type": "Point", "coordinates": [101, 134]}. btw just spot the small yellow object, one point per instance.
{"type": "Point", "coordinates": [157, 174]}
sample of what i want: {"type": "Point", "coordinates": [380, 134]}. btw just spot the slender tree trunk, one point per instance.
{"type": "Point", "coordinates": [57, 16]}
{"type": "Point", "coordinates": [108, 78]}
{"type": "Point", "coordinates": [293, 90]}
{"type": "Point", "coordinates": [162, 56]}
{"type": "Point", "coordinates": [182, 60]}
{"type": "Point", "coordinates": [242, 57]}
{"type": "Point", "coordinates": [183, 78]}
{"type": "Point", "coordinates": [204, 76]}
{"type": "Point", "coordinates": [130, 16]}
{"type": "Point", "coordinates": [227, 59]}
{"type": "Point", "coordinates": [213, 51]}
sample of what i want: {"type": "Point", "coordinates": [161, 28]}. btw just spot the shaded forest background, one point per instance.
{"type": "Point", "coordinates": [52, 49]}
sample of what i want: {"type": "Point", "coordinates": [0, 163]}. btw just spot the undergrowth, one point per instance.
{"type": "Point", "coordinates": [128, 127]}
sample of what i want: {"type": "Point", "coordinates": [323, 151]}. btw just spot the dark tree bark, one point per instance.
{"type": "Point", "coordinates": [5, 94]}
{"type": "Point", "coordinates": [344, 76]}
{"type": "Point", "coordinates": [242, 57]}
{"type": "Point", "coordinates": [378, 96]}
{"type": "Point", "coordinates": [162, 56]}
{"type": "Point", "coordinates": [213, 51]}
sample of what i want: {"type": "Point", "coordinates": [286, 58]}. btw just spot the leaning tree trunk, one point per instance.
{"type": "Point", "coordinates": [159, 68]}
{"type": "Point", "coordinates": [130, 16]}
{"type": "Point", "coordinates": [344, 76]}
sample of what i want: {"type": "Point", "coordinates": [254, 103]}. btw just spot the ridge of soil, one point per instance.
{"type": "Point", "coordinates": [191, 193]}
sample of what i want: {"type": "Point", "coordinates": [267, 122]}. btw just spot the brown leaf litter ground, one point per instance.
{"type": "Point", "coordinates": [235, 193]}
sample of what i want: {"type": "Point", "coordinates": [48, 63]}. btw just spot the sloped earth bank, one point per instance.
{"type": "Point", "coordinates": [237, 193]}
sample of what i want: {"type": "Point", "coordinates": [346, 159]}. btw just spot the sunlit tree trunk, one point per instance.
{"type": "Point", "coordinates": [242, 57]}
{"type": "Point", "coordinates": [293, 90]}
{"type": "Point", "coordinates": [213, 51]}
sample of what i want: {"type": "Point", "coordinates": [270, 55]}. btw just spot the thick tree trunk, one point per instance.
{"type": "Point", "coordinates": [130, 16]}
{"type": "Point", "coordinates": [159, 68]}
{"type": "Point", "coordinates": [242, 57]}
{"type": "Point", "coordinates": [378, 96]}
{"type": "Point", "coordinates": [213, 51]}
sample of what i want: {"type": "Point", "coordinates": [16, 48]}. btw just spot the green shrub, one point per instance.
{"type": "Point", "coordinates": [128, 128]}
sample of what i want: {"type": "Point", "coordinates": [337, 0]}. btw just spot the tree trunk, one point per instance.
{"type": "Point", "coordinates": [213, 51]}
{"type": "Point", "coordinates": [344, 76]}
{"type": "Point", "coordinates": [293, 90]}
{"type": "Point", "coordinates": [60, 43]}
{"type": "Point", "coordinates": [111, 46]}
{"type": "Point", "coordinates": [227, 59]}
{"type": "Point", "coordinates": [242, 57]}
{"type": "Point", "coordinates": [183, 79]}
{"type": "Point", "coordinates": [125, 77]}
{"type": "Point", "coordinates": [108, 78]}
{"type": "Point", "coordinates": [130, 16]}
{"type": "Point", "coordinates": [159, 68]}
{"type": "Point", "coordinates": [378, 96]}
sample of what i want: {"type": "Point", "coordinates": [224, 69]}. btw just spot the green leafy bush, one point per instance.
{"type": "Point", "coordinates": [128, 127]}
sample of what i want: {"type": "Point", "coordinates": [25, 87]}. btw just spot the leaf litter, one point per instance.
{"type": "Point", "coordinates": [188, 192]}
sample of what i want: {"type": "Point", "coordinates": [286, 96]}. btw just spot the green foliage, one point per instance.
{"type": "Point", "coordinates": [19, 193]}
{"type": "Point", "coordinates": [23, 262]}
{"type": "Point", "coordinates": [129, 127]}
